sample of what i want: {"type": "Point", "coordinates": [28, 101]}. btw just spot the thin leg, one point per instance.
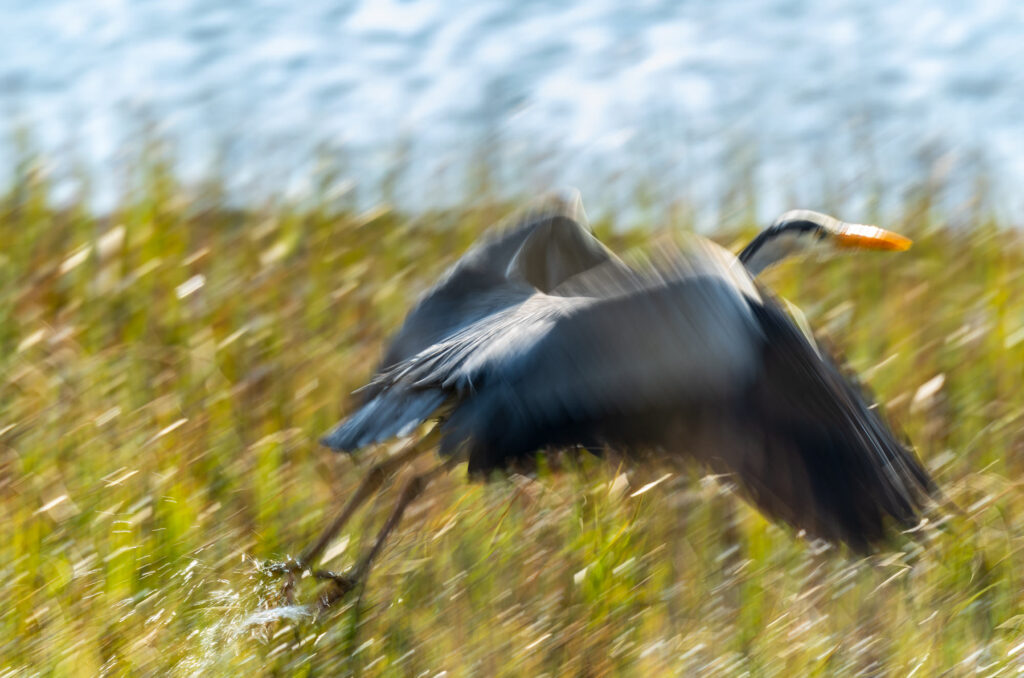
{"type": "Point", "coordinates": [376, 476]}
{"type": "Point", "coordinates": [372, 481]}
{"type": "Point", "coordinates": [411, 490]}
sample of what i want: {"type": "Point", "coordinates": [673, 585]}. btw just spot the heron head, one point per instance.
{"type": "Point", "coordinates": [799, 231]}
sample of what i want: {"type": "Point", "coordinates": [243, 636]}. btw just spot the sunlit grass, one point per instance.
{"type": "Point", "coordinates": [168, 369]}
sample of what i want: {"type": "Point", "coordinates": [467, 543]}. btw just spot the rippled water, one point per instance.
{"type": "Point", "coordinates": [572, 92]}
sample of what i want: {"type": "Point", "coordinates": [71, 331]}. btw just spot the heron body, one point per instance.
{"type": "Point", "coordinates": [540, 337]}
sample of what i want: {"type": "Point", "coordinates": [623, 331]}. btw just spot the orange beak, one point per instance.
{"type": "Point", "coordinates": [862, 236]}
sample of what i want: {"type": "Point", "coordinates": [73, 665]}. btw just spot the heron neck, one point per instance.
{"type": "Point", "coordinates": [764, 251]}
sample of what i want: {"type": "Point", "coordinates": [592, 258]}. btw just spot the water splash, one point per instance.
{"type": "Point", "coordinates": [229, 621]}
{"type": "Point", "coordinates": [293, 613]}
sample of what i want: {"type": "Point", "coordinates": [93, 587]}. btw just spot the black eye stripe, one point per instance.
{"type": "Point", "coordinates": [797, 227]}
{"type": "Point", "coordinates": [792, 230]}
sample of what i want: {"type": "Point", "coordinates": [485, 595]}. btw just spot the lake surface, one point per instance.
{"type": "Point", "coordinates": [685, 100]}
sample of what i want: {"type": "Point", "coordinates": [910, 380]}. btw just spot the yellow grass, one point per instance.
{"type": "Point", "coordinates": [166, 372]}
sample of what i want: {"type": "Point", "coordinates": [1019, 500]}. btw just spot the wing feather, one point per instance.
{"type": "Point", "coordinates": [538, 249]}
{"type": "Point", "coordinates": [824, 458]}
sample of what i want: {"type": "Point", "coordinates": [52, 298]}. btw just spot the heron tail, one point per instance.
{"type": "Point", "coordinates": [393, 412]}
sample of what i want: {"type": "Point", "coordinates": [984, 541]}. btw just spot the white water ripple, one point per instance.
{"type": "Point", "coordinates": [576, 91]}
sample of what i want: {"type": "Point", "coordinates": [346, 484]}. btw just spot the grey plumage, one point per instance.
{"type": "Point", "coordinates": [541, 337]}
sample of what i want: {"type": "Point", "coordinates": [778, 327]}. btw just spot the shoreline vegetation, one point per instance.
{"type": "Point", "coordinates": [168, 367]}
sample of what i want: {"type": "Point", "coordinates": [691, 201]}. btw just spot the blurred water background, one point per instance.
{"type": "Point", "coordinates": [673, 99]}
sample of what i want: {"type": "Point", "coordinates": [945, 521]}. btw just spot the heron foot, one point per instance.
{"type": "Point", "coordinates": [340, 586]}
{"type": "Point", "coordinates": [340, 579]}
{"type": "Point", "coordinates": [280, 568]}
{"type": "Point", "coordinates": [289, 570]}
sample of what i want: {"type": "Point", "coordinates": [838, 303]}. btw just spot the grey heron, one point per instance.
{"type": "Point", "coordinates": [541, 337]}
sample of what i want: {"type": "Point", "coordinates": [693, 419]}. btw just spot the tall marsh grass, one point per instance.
{"type": "Point", "coordinates": [168, 367]}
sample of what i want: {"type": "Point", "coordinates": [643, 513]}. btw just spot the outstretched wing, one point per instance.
{"type": "Point", "coordinates": [525, 376]}
{"type": "Point", "coordinates": [540, 248]}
